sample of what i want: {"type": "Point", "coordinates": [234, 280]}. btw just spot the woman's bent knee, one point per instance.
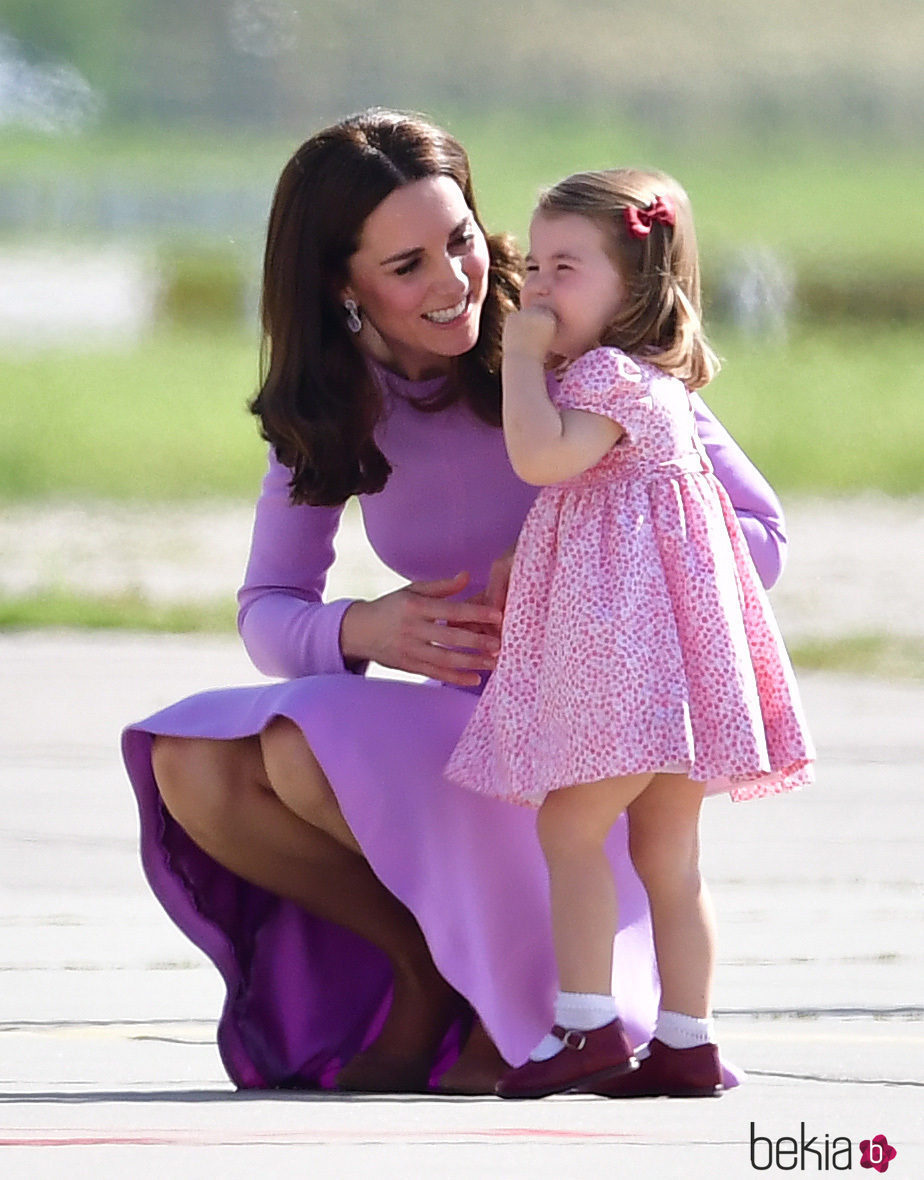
{"type": "Point", "coordinates": [284, 745]}
{"type": "Point", "coordinates": [198, 778]}
{"type": "Point", "coordinates": [292, 770]}
{"type": "Point", "coordinates": [170, 761]}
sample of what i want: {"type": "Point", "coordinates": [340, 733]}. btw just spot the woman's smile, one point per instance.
{"type": "Point", "coordinates": [448, 315]}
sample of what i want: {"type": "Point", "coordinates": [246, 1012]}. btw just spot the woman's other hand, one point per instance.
{"type": "Point", "coordinates": [415, 629]}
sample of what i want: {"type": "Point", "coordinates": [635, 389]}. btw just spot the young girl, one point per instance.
{"type": "Point", "coordinates": [640, 666]}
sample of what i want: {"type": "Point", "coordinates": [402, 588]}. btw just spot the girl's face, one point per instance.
{"type": "Point", "coordinates": [420, 277]}
{"type": "Point", "coordinates": [569, 271]}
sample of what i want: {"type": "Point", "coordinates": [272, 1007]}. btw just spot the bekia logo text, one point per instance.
{"type": "Point", "coordinates": [816, 1153]}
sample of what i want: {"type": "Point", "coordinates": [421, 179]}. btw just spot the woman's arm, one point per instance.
{"type": "Point", "coordinates": [754, 501]}
{"type": "Point", "coordinates": [290, 631]}
{"type": "Point", "coordinates": [286, 627]}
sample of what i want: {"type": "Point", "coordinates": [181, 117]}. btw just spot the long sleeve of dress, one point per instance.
{"type": "Point", "coordinates": [287, 629]}
{"type": "Point", "coordinates": [756, 505]}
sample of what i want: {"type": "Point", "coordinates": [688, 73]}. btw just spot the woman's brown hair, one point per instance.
{"type": "Point", "coordinates": [318, 404]}
{"type": "Point", "coordinates": [660, 320]}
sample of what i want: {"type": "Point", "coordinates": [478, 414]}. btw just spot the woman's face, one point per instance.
{"type": "Point", "coordinates": [420, 277]}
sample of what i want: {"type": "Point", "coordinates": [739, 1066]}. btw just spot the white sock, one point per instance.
{"type": "Point", "coordinates": [580, 1010]}
{"type": "Point", "coordinates": [679, 1031]}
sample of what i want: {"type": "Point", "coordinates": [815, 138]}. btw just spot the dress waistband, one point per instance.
{"type": "Point", "coordinates": [694, 463]}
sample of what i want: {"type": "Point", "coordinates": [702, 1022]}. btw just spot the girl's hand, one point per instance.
{"type": "Point", "coordinates": [495, 593]}
{"type": "Point", "coordinates": [530, 332]}
{"type": "Point", "coordinates": [416, 630]}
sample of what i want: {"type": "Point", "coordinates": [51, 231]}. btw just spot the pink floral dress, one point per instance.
{"type": "Point", "coordinates": [637, 636]}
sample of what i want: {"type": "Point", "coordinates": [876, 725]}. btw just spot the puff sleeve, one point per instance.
{"type": "Point", "coordinates": [606, 381]}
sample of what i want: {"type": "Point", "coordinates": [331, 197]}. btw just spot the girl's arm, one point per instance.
{"type": "Point", "coordinates": [546, 445]}
{"type": "Point", "coordinates": [755, 503]}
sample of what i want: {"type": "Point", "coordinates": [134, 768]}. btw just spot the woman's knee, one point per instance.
{"type": "Point", "coordinates": [284, 746]}
{"type": "Point", "coordinates": [198, 779]}
{"type": "Point", "coordinates": [293, 773]}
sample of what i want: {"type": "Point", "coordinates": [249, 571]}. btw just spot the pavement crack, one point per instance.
{"type": "Point", "coordinates": [894, 1012]}
{"type": "Point", "coordinates": [836, 1081]}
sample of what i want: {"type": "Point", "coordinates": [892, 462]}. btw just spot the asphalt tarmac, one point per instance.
{"type": "Point", "coordinates": [108, 1066]}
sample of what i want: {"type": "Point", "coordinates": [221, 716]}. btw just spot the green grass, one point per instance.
{"type": "Point", "coordinates": [887, 656]}
{"type": "Point", "coordinates": [896, 657]}
{"type": "Point", "coordinates": [807, 198]}
{"type": "Point", "coordinates": [182, 158]}
{"type": "Point", "coordinates": [127, 612]}
{"type": "Point", "coordinates": [165, 420]}
{"type": "Point", "coordinates": [816, 200]}
{"type": "Point", "coordinates": [830, 411]}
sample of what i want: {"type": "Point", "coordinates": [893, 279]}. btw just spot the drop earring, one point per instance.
{"type": "Point", "coordinates": [354, 323]}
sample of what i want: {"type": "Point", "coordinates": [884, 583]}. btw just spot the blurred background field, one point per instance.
{"type": "Point", "coordinates": [834, 410]}
{"type": "Point", "coordinates": [139, 145]}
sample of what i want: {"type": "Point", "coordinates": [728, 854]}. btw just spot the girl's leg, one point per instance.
{"type": "Point", "coordinates": [221, 794]}
{"type": "Point", "coordinates": [664, 846]}
{"type": "Point", "coordinates": [573, 825]}
{"type": "Point", "coordinates": [681, 1059]}
{"type": "Point", "coordinates": [590, 1045]}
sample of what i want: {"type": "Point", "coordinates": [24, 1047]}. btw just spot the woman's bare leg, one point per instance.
{"type": "Point", "coordinates": [220, 793]}
{"type": "Point", "coordinates": [478, 1068]}
{"type": "Point", "coordinates": [296, 778]}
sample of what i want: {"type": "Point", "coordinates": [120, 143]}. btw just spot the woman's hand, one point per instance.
{"type": "Point", "coordinates": [416, 630]}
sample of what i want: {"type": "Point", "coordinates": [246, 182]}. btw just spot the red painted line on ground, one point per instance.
{"type": "Point", "coordinates": [198, 1139]}
{"type": "Point", "coordinates": [89, 1142]}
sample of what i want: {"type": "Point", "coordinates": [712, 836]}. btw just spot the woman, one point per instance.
{"type": "Point", "coordinates": [302, 833]}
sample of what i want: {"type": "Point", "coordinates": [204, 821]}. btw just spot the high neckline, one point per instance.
{"type": "Point", "coordinates": [405, 387]}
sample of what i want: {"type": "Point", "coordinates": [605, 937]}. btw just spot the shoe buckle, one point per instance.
{"type": "Point", "coordinates": [578, 1043]}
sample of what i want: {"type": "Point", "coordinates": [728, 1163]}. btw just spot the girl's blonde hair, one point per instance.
{"type": "Point", "coordinates": [660, 320]}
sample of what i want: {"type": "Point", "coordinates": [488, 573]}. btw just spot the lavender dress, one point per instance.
{"type": "Point", "coordinates": [304, 995]}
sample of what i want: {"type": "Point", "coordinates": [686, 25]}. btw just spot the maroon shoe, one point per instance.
{"type": "Point", "coordinates": [594, 1055]}
{"type": "Point", "coordinates": [674, 1073]}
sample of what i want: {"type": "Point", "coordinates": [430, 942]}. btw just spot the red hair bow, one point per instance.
{"type": "Point", "coordinates": [640, 221]}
